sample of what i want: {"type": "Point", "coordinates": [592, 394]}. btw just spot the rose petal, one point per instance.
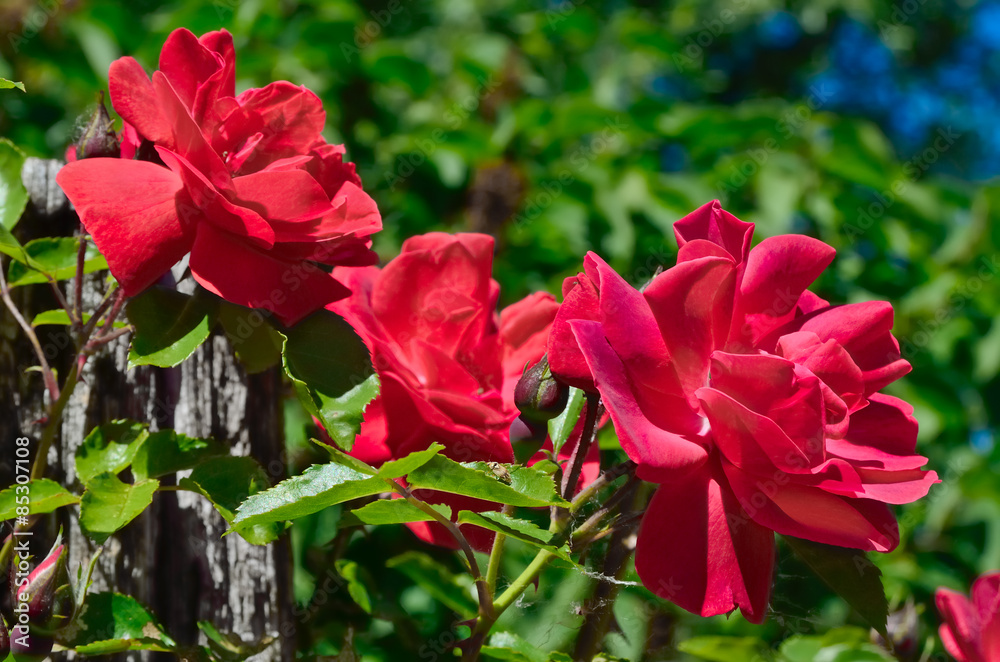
{"type": "Point", "coordinates": [130, 209]}
{"type": "Point", "coordinates": [697, 549]}
{"type": "Point", "coordinates": [814, 514]}
{"type": "Point", "coordinates": [134, 98]}
{"type": "Point", "coordinates": [662, 455]}
{"type": "Point", "coordinates": [246, 276]}
{"type": "Point", "coordinates": [962, 630]}
{"type": "Point", "coordinates": [692, 305]}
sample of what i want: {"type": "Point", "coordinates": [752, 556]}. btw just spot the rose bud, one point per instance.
{"type": "Point", "coordinates": [31, 646]}
{"type": "Point", "coordinates": [538, 395]}
{"type": "Point", "coordinates": [40, 592]}
{"type": "Point", "coordinates": [98, 139]}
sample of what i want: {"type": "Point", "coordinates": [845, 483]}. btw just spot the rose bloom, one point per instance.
{"type": "Point", "coordinates": [244, 183]}
{"type": "Point", "coordinates": [751, 401]}
{"type": "Point", "coordinates": [971, 628]}
{"type": "Point", "coordinates": [448, 364]}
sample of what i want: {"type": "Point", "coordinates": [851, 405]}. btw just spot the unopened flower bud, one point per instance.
{"type": "Point", "coordinates": [538, 395]}
{"type": "Point", "coordinates": [98, 139]}
{"type": "Point", "coordinates": [30, 646]}
{"type": "Point", "coordinates": [40, 592]}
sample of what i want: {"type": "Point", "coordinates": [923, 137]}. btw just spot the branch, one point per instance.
{"type": "Point", "coordinates": [47, 374]}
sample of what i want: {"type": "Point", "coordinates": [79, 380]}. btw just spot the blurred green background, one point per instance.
{"type": "Point", "coordinates": [563, 127]}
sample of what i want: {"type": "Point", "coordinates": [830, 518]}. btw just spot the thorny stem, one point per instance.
{"type": "Point", "coordinates": [52, 424]}
{"type": "Point", "coordinates": [587, 437]}
{"type": "Point", "coordinates": [62, 300]}
{"type": "Point", "coordinates": [81, 258]}
{"type": "Point", "coordinates": [598, 607]}
{"type": "Point", "coordinates": [559, 526]}
{"type": "Point", "coordinates": [47, 375]}
{"type": "Point", "coordinates": [613, 501]}
{"type": "Point", "coordinates": [485, 599]}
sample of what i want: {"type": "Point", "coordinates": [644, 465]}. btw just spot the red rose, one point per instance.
{"type": "Point", "coordinates": [246, 184]}
{"type": "Point", "coordinates": [447, 363]}
{"type": "Point", "coordinates": [751, 401]}
{"type": "Point", "coordinates": [971, 628]}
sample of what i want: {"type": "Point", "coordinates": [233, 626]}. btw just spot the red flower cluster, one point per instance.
{"type": "Point", "coordinates": [244, 183]}
{"type": "Point", "coordinates": [447, 362]}
{"type": "Point", "coordinates": [971, 628]}
{"type": "Point", "coordinates": [751, 401]}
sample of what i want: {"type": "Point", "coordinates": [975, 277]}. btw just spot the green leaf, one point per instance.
{"type": "Point", "coordinates": [227, 482]}
{"type": "Point", "coordinates": [109, 448]}
{"type": "Point", "coordinates": [332, 373]}
{"type": "Point", "coordinates": [53, 258]}
{"type": "Point", "coordinates": [44, 496]}
{"type": "Point", "coordinates": [437, 580]}
{"type": "Point", "coordinates": [318, 487]}
{"type": "Point", "coordinates": [166, 452]}
{"type": "Point", "coordinates": [61, 318]}
{"type": "Point", "coordinates": [169, 326]}
{"type": "Point", "coordinates": [527, 487]}
{"type": "Point", "coordinates": [844, 644]}
{"type": "Point", "coordinates": [523, 530]}
{"type": "Point", "coordinates": [724, 649]}
{"type": "Point", "coordinates": [256, 343]}
{"type": "Point", "coordinates": [404, 465]}
{"type": "Point", "coordinates": [9, 84]}
{"type": "Point", "coordinates": [349, 570]}
{"type": "Point", "coordinates": [390, 511]}
{"type": "Point", "coordinates": [561, 427]}
{"type": "Point", "coordinates": [13, 195]}
{"type": "Point", "coordinates": [10, 246]}
{"type": "Point", "coordinates": [112, 622]}
{"type": "Point", "coordinates": [230, 647]}
{"type": "Point", "coordinates": [109, 504]}
{"type": "Point", "coordinates": [850, 574]}
{"type": "Point", "coordinates": [509, 646]}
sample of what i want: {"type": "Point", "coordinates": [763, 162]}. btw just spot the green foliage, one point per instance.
{"type": "Point", "coordinates": [44, 496]}
{"type": "Point", "coordinates": [523, 530]}
{"type": "Point", "coordinates": [561, 427]}
{"type": "Point", "coordinates": [332, 373]}
{"type": "Point", "coordinates": [108, 504]}
{"type": "Point", "coordinates": [13, 196]}
{"type": "Point", "coordinates": [453, 591]}
{"type": "Point", "coordinates": [53, 259]}
{"type": "Point", "coordinates": [848, 572]}
{"type": "Point", "coordinates": [227, 482]}
{"type": "Point", "coordinates": [113, 623]}
{"type": "Point", "coordinates": [519, 486]}
{"type": "Point", "coordinates": [169, 326]}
